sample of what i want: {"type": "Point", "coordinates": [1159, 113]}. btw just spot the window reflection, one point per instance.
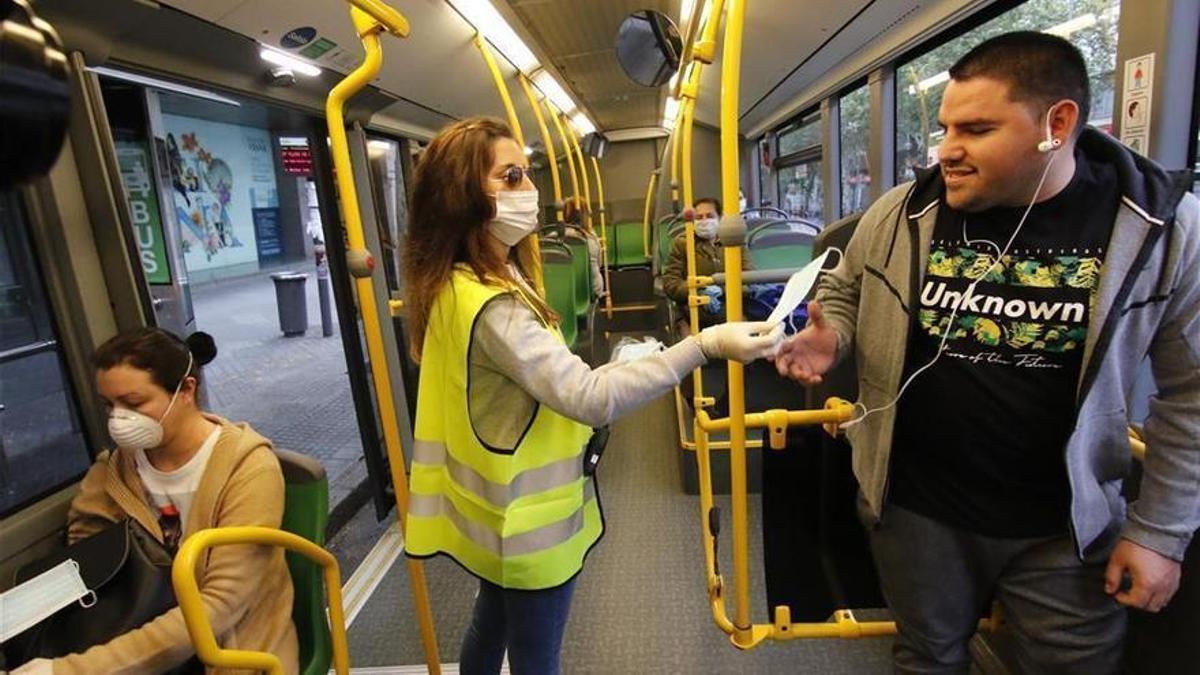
{"type": "Point", "coordinates": [42, 445]}
{"type": "Point", "coordinates": [1091, 25]}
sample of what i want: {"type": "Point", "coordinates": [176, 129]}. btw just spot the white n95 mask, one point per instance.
{"type": "Point", "coordinates": [797, 288]}
{"type": "Point", "coordinates": [131, 430]}
{"type": "Point", "coordinates": [32, 602]}
{"type": "Point", "coordinates": [516, 215]}
{"type": "Point", "coordinates": [706, 228]}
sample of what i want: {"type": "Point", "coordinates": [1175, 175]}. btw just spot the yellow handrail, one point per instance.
{"type": "Point", "coordinates": [501, 88]}
{"type": "Point", "coordinates": [562, 136]}
{"type": "Point", "coordinates": [551, 157]}
{"type": "Point", "coordinates": [603, 232]}
{"type": "Point", "coordinates": [361, 267]}
{"type": "Point", "coordinates": [191, 604]}
{"type": "Point", "coordinates": [583, 175]}
{"type": "Point", "coordinates": [730, 70]}
{"type": "Point", "coordinates": [648, 210]}
{"type": "Point", "coordinates": [535, 248]}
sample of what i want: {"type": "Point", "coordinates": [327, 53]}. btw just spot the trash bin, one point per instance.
{"type": "Point", "coordinates": [291, 301]}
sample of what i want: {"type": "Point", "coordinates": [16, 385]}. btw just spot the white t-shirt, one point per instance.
{"type": "Point", "coordinates": [176, 487]}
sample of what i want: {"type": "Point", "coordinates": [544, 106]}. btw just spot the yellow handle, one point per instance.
{"type": "Point", "coordinates": [334, 105]}
{"type": "Point", "coordinates": [191, 604]}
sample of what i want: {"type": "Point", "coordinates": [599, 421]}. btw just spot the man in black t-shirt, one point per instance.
{"type": "Point", "coordinates": [998, 308]}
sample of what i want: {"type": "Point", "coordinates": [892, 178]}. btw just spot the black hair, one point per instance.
{"type": "Point", "coordinates": [158, 352]}
{"type": "Point", "coordinates": [709, 200]}
{"type": "Point", "coordinates": [1039, 68]}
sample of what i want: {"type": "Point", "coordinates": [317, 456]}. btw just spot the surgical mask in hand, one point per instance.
{"type": "Point", "coordinates": [516, 216]}
{"type": "Point", "coordinates": [798, 287]}
{"type": "Point", "coordinates": [32, 602]}
{"type": "Point", "coordinates": [706, 228]}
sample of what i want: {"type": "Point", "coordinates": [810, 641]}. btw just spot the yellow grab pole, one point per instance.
{"type": "Point", "coordinates": [599, 193]}
{"type": "Point", "coordinates": [361, 267]}
{"type": "Point", "coordinates": [515, 125]}
{"type": "Point", "coordinates": [583, 175]}
{"type": "Point", "coordinates": [191, 604]}
{"type": "Point", "coordinates": [648, 210]}
{"type": "Point", "coordinates": [502, 88]}
{"type": "Point", "coordinates": [603, 230]}
{"type": "Point", "coordinates": [551, 157]}
{"type": "Point", "coordinates": [562, 136]}
{"type": "Point", "coordinates": [730, 70]}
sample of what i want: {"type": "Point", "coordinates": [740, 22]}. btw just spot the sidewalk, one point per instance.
{"type": "Point", "coordinates": [294, 391]}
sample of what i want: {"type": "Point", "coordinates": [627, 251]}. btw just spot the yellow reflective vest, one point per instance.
{"type": "Point", "coordinates": [523, 519]}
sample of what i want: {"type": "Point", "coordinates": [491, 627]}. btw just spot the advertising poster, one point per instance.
{"type": "Point", "coordinates": [220, 173]}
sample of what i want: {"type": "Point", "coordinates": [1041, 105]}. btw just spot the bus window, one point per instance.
{"type": "Point", "coordinates": [1090, 25]}
{"type": "Point", "coordinates": [42, 444]}
{"type": "Point", "coordinates": [854, 114]}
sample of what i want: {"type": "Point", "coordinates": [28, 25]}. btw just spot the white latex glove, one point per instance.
{"type": "Point", "coordinates": [741, 341]}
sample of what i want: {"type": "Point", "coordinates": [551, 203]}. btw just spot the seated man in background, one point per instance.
{"type": "Point", "coordinates": [710, 259]}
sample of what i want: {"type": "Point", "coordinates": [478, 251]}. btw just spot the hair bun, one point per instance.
{"type": "Point", "coordinates": [202, 346]}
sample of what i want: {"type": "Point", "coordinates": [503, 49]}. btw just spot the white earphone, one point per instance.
{"type": "Point", "coordinates": [1051, 143]}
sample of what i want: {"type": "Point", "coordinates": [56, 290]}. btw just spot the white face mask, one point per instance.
{"type": "Point", "coordinates": [131, 430]}
{"type": "Point", "coordinates": [706, 228]}
{"type": "Point", "coordinates": [35, 600]}
{"type": "Point", "coordinates": [797, 288]}
{"type": "Point", "coordinates": [516, 215]}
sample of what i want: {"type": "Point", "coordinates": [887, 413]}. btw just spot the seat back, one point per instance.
{"type": "Point", "coordinates": [581, 264]}
{"type": "Point", "coordinates": [558, 274]}
{"type": "Point", "coordinates": [630, 245]}
{"type": "Point", "coordinates": [306, 514]}
{"type": "Point", "coordinates": [782, 244]}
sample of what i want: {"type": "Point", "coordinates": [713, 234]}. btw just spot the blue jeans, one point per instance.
{"type": "Point", "coordinates": [530, 624]}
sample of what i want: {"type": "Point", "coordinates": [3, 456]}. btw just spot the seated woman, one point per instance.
{"type": "Point", "coordinates": [575, 213]}
{"type": "Point", "coordinates": [177, 470]}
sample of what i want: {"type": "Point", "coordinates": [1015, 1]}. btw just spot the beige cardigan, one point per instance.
{"type": "Point", "coordinates": [247, 590]}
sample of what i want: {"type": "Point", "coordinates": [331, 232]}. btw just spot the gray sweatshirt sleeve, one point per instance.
{"type": "Point", "coordinates": [509, 336]}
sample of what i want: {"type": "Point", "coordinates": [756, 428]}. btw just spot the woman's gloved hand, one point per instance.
{"type": "Point", "coordinates": [741, 341]}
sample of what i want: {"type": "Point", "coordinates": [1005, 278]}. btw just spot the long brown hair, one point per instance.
{"type": "Point", "coordinates": [449, 211]}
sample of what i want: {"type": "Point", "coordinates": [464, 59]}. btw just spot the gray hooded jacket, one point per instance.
{"type": "Point", "coordinates": [1148, 303]}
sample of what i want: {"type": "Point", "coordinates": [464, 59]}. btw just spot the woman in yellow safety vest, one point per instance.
{"type": "Point", "coordinates": [504, 409]}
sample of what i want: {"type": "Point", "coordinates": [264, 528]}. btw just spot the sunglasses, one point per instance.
{"type": "Point", "coordinates": [514, 176]}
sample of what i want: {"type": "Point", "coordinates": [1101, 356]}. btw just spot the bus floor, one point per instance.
{"type": "Point", "coordinates": [640, 605]}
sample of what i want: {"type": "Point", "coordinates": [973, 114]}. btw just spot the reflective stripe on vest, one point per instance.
{"type": "Point", "coordinates": [521, 520]}
{"type": "Point", "coordinates": [549, 476]}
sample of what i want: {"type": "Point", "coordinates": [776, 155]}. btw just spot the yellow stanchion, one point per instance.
{"type": "Point", "coordinates": [566, 145]}
{"type": "Point", "coordinates": [551, 157]}
{"type": "Point", "coordinates": [603, 232]}
{"type": "Point", "coordinates": [361, 266]}
{"type": "Point", "coordinates": [199, 627]}
{"type": "Point", "coordinates": [648, 210]}
{"type": "Point", "coordinates": [582, 163]}
{"type": "Point", "coordinates": [730, 67]}
{"type": "Point", "coordinates": [501, 88]}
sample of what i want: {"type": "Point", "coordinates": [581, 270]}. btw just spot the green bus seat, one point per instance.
{"type": "Point", "coordinates": [306, 513]}
{"type": "Point", "coordinates": [782, 245]}
{"type": "Point", "coordinates": [558, 275]}
{"type": "Point", "coordinates": [581, 263]}
{"type": "Point", "coordinates": [630, 246]}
